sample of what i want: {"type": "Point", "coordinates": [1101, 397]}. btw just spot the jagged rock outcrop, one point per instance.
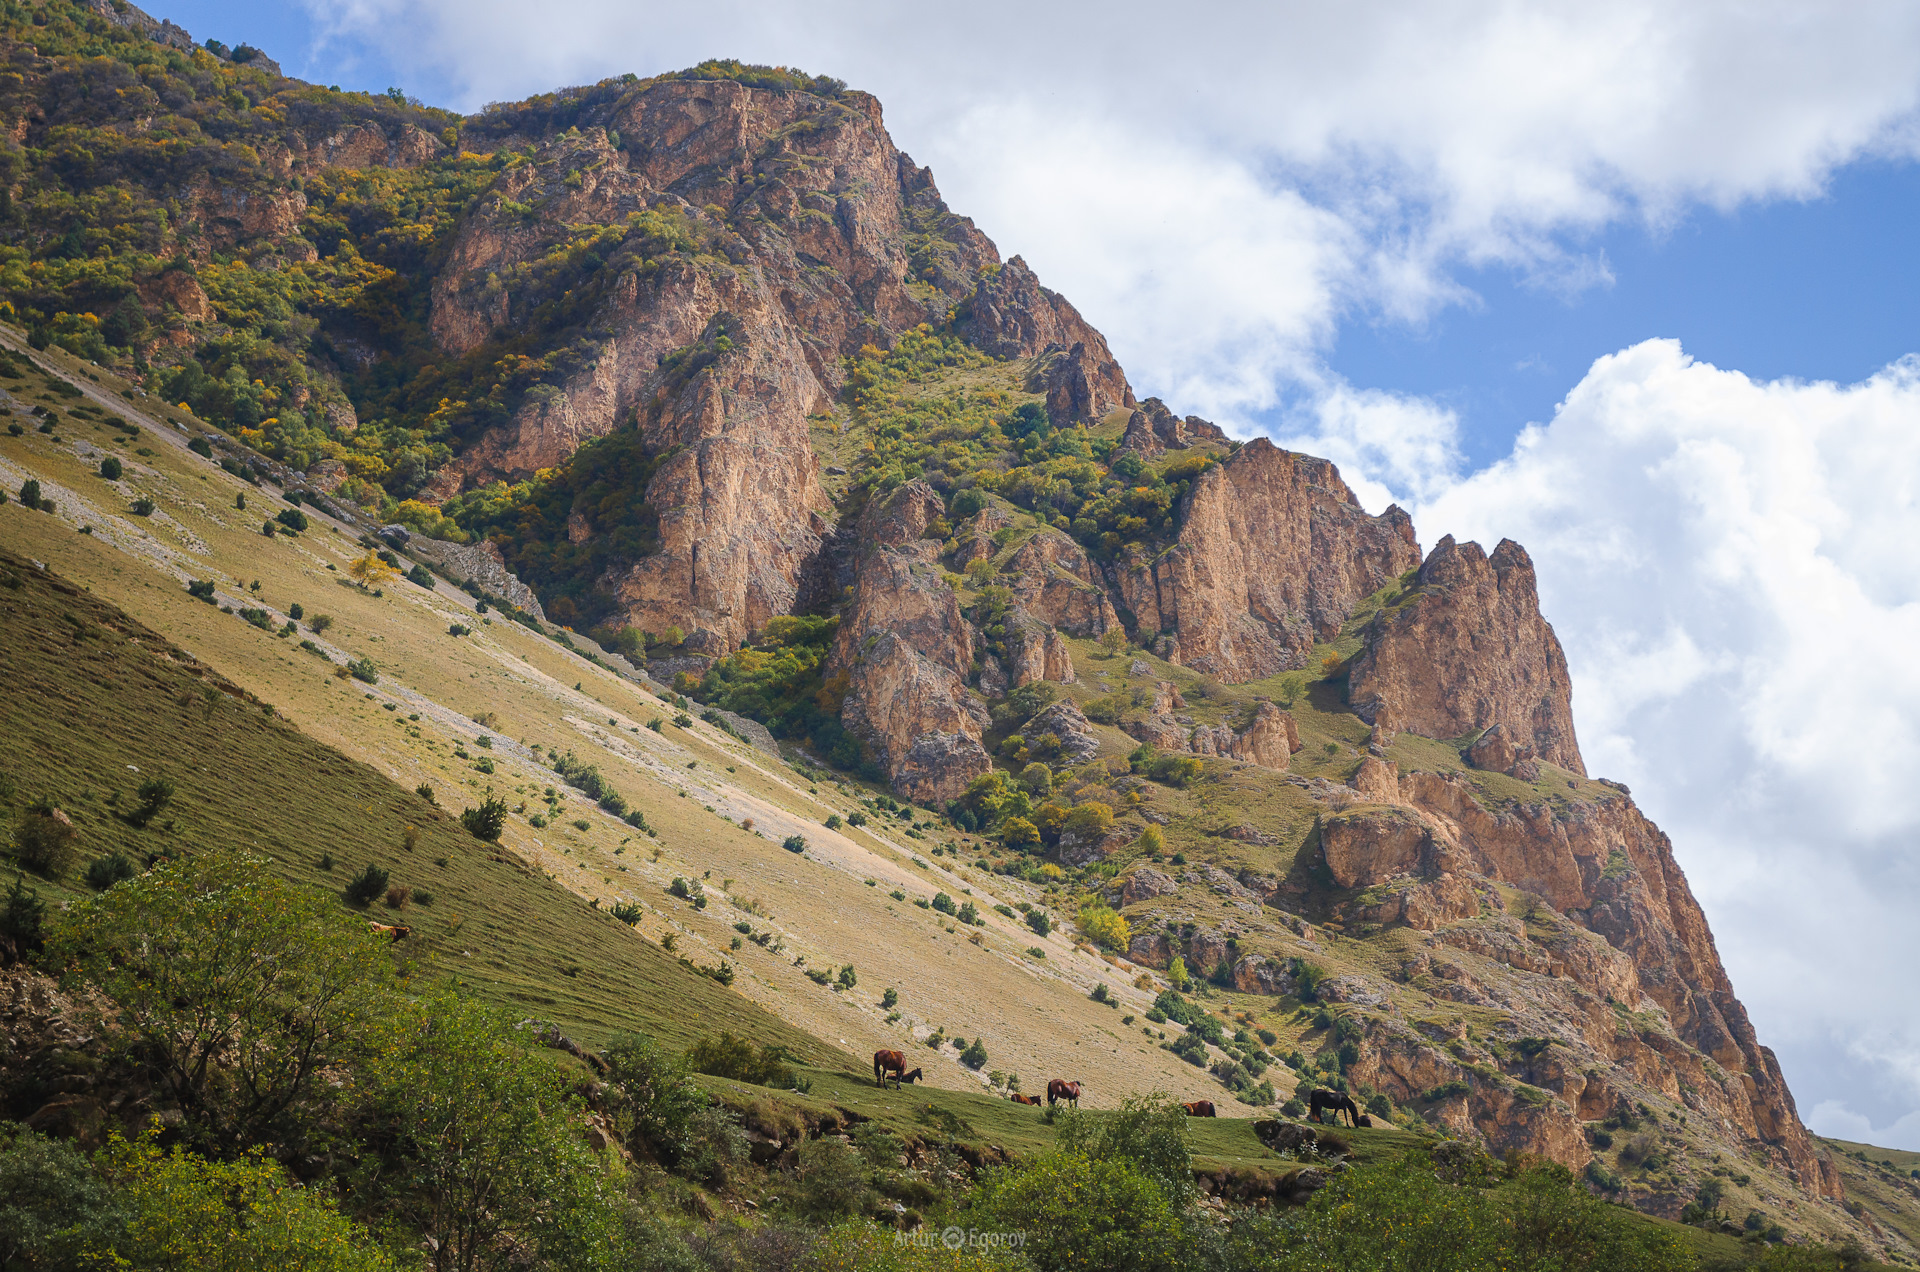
{"type": "Point", "coordinates": [1470, 650]}
{"type": "Point", "coordinates": [799, 209]}
{"type": "Point", "coordinates": [1035, 651]}
{"type": "Point", "coordinates": [1272, 553]}
{"type": "Point", "coordinates": [1494, 750]}
{"type": "Point", "coordinates": [1065, 721]}
{"type": "Point", "coordinates": [1054, 580]}
{"type": "Point", "coordinates": [1010, 315]}
{"type": "Point", "coordinates": [480, 564]}
{"type": "Point", "coordinates": [906, 650]}
{"type": "Point", "coordinates": [1269, 739]}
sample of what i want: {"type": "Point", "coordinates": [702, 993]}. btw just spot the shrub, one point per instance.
{"type": "Point", "coordinates": [43, 840]}
{"type": "Point", "coordinates": [292, 519]}
{"type": "Point", "coordinates": [970, 915]}
{"type": "Point", "coordinates": [726, 1055]}
{"type": "Point", "coordinates": [425, 791]}
{"type": "Point", "coordinates": [110, 468]}
{"type": "Point", "coordinates": [421, 576]}
{"type": "Point", "coordinates": [362, 669]}
{"type": "Point", "coordinates": [794, 843]}
{"type": "Point", "coordinates": [368, 884]}
{"type": "Point", "coordinates": [154, 794]}
{"type": "Point", "coordinates": [143, 507]}
{"type": "Point", "coordinates": [1038, 920]}
{"type": "Point", "coordinates": [847, 979]}
{"type": "Point", "coordinates": [975, 1055]}
{"type": "Point", "coordinates": [488, 820]}
{"type": "Point", "coordinates": [1081, 1212]}
{"type": "Point", "coordinates": [944, 903]}
{"type": "Point", "coordinates": [320, 623]}
{"type": "Point", "coordinates": [833, 821]}
{"type": "Point", "coordinates": [104, 872]}
{"type": "Point", "coordinates": [889, 999]}
{"type": "Point", "coordinates": [21, 921]}
{"type": "Point", "coordinates": [399, 895]}
{"type": "Point", "coordinates": [201, 590]}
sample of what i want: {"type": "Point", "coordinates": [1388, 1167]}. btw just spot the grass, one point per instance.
{"type": "Point", "coordinates": [111, 697]}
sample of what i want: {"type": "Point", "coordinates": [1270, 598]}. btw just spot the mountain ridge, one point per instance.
{"type": "Point", "coordinates": [1403, 721]}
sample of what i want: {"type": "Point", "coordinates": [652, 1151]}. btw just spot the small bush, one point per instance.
{"type": "Point", "coordinates": [628, 913]}
{"type": "Point", "coordinates": [292, 519]}
{"type": "Point", "coordinates": [421, 576]}
{"type": "Point", "coordinates": [794, 843]}
{"type": "Point", "coordinates": [320, 623]}
{"type": "Point", "coordinates": [104, 872]}
{"type": "Point", "coordinates": [425, 791]}
{"type": "Point", "coordinates": [975, 1056]}
{"type": "Point", "coordinates": [368, 884]}
{"type": "Point", "coordinates": [1038, 920]}
{"type": "Point", "coordinates": [110, 468]}
{"type": "Point", "coordinates": [944, 903]}
{"type": "Point", "coordinates": [43, 841]}
{"type": "Point", "coordinates": [488, 820]}
{"type": "Point", "coordinates": [727, 1055]}
{"type": "Point", "coordinates": [399, 895]}
{"type": "Point", "coordinates": [363, 669]}
{"type": "Point", "coordinates": [21, 921]}
{"type": "Point", "coordinates": [143, 507]}
{"type": "Point", "coordinates": [833, 821]}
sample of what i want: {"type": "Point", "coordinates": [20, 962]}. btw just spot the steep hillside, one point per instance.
{"type": "Point", "coordinates": [1114, 748]}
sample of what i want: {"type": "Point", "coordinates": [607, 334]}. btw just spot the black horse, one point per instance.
{"type": "Point", "coordinates": [1338, 1101]}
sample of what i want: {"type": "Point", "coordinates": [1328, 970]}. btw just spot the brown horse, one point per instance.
{"type": "Point", "coordinates": [1363, 1123]}
{"type": "Point", "coordinates": [1199, 1108]}
{"type": "Point", "coordinates": [1060, 1089]}
{"type": "Point", "coordinates": [1338, 1101]}
{"type": "Point", "coordinates": [1024, 1099]}
{"type": "Point", "coordinates": [892, 1062]}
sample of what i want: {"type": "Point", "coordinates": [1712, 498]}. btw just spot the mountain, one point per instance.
{"type": "Point", "coordinates": [698, 376]}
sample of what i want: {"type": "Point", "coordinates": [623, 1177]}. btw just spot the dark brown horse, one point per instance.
{"type": "Point", "coordinates": [1024, 1099]}
{"type": "Point", "coordinates": [1338, 1101]}
{"type": "Point", "coordinates": [1199, 1108]}
{"type": "Point", "coordinates": [1060, 1089]}
{"type": "Point", "coordinates": [892, 1062]}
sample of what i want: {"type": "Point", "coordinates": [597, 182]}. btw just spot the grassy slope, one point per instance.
{"type": "Point", "coordinates": [99, 702]}
{"type": "Point", "coordinates": [1033, 1014]}
{"type": "Point", "coordinates": [1883, 1182]}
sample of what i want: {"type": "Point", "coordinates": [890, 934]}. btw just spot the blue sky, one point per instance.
{"type": "Point", "coordinates": [1353, 226]}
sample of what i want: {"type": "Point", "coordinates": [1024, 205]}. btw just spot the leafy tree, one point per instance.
{"type": "Point", "coordinates": [370, 571]}
{"type": "Point", "coordinates": [1105, 928]}
{"type": "Point", "coordinates": [483, 1156]}
{"type": "Point", "coordinates": [53, 1207]}
{"type": "Point", "coordinates": [238, 988]}
{"type": "Point", "coordinates": [1149, 1131]}
{"type": "Point", "coordinates": [1081, 1213]}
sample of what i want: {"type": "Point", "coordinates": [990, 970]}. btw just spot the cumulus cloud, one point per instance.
{"type": "Point", "coordinates": [1730, 566]}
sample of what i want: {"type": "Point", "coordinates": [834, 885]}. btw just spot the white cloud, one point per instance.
{"type": "Point", "coordinates": [1730, 566]}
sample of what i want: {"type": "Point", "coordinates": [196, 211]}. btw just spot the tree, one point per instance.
{"type": "Point", "coordinates": [655, 1097]}
{"type": "Point", "coordinates": [237, 987]}
{"type": "Point", "coordinates": [1101, 925]}
{"type": "Point", "coordinates": [1177, 973]}
{"type": "Point", "coordinates": [1020, 834]}
{"type": "Point", "coordinates": [1080, 1213]}
{"type": "Point", "coordinates": [484, 1158]}
{"type": "Point", "coordinates": [1112, 641]}
{"type": "Point", "coordinates": [1037, 920]}
{"type": "Point", "coordinates": [110, 468]}
{"type": "Point", "coordinates": [52, 1204]}
{"type": "Point", "coordinates": [1037, 778]}
{"type": "Point", "coordinates": [370, 571]}
{"type": "Point", "coordinates": [487, 821]}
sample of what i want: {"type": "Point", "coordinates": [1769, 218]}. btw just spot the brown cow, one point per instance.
{"type": "Point", "coordinates": [1024, 1099]}
{"type": "Point", "coordinates": [892, 1062]}
{"type": "Point", "coordinates": [397, 931]}
{"type": "Point", "coordinates": [1060, 1089]}
{"type": "Point", "coordinates": [1199, 1108]}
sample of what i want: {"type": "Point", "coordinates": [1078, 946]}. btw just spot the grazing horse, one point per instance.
{"type": "Point", "coordinates": [1060, 1089]}
{"type": "Point", "coordinates": [1335, 1100]}
{"type": "Point", "coordinates": [1024, 1099]}
{"type": "Point", "coordinates": [1199, 1108]}
{"type": "Point", "coordinates": [892, 1062]}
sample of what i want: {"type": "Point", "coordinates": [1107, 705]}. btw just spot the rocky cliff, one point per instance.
{"type": "Point", "coordinates": [1469, 651]}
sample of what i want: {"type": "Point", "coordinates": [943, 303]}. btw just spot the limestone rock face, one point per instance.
{"type": "Point", "coordinates": [906, 650]}
{"type": "Point", "coordinates": [1010, 315]}
{"type": "Point", "coordinates": [1053, 579]}
{"type": "Point", "coordinates": [802, 209]}
{"type": "Point", "coordinates": [1270, 739]}
{"type": "Point", "coordinates": [1272, 553]}
{"type": "Point", "coordinates": [482, 564]}
{"type": "Point", "coordinates": [1067, 722]}
{"type": "Point", "coordinates": [1470, 652]}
